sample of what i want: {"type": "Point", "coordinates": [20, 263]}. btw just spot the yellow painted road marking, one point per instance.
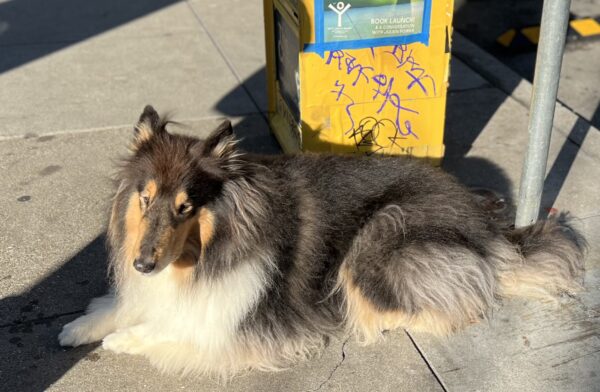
{"type": "Point", "coordinates": [506, 38]}
{"type": "Point", "coordinates": [585, 27]}
{"type": "Point", "coordinates": [532, 33]}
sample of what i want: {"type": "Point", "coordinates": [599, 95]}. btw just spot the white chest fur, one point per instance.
{"type": "Point", "coordinates": [205, 314]}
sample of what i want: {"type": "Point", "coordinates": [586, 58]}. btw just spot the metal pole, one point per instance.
{"type": "Point", "coordinates": [553, 31]}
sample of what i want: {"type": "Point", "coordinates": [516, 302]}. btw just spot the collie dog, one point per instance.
{"type": "Point", "coordinates": [223, 261]}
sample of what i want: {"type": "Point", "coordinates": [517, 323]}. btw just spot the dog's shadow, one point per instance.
{"type": "Point", "coordinates": [31, 358]}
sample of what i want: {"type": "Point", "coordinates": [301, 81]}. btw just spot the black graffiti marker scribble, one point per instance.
{"type": "Point", "coordinates": [368, 134]}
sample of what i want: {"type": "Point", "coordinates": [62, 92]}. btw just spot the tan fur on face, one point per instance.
{"type": "Point", "coordinates": [206, 222]}
{"type": "Point", "coordinates": [171, 241]}
{"type": "Point", "coordinates": [135, 228]}
{"type": "Point", "coordinates": [183, 243]}
{"type": "Point", "coordinates": [181, 198]}
{"type": "Point", "coordinates": [135, 224]}
{"type": "Point", "coordinates": [183, 267]}
{"type": "Point", "coordinates": [199, 231]}
{"type": "Point", "coordinates": [185, 248]}
{"type": "Point", "coordinates": [151, 188]}
{"type": "Point", "coordinates": [368, 322]}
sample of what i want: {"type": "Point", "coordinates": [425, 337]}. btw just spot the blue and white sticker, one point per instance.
{"type": "Point", "coordinates": [356, 24]}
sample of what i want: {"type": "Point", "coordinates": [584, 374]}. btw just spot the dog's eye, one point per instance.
{"type": "Point", "coordinates": [144, 199]}
{"type": "Point", "coordinates": [184, 208]}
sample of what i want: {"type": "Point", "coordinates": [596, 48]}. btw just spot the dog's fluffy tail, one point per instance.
{"type": "Point", "coordinates": [551, 261]}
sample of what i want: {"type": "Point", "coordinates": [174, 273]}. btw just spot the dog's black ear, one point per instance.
{"type": "Point", "coordinates": [147, 126]}
{"type": "Point", "coordinates": [218, 154]}
{"type": "Point", "coordinates": [221, 143]}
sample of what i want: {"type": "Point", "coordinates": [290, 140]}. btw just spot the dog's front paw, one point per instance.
{"type": "Point", "coordinates": [78, 332]}
{"type": "Point", "coordinates": [123, 341]}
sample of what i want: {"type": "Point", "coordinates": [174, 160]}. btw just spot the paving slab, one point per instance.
{"type": "Point", "coordinates": [579, 86]}
{"type": "Point", "coordinates": [244, 50]}
{"type": "Point", "coordinates": [165, 59]}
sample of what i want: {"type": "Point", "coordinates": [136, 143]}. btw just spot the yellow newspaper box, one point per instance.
{"type": "Point", "coordinates": [359, 76]}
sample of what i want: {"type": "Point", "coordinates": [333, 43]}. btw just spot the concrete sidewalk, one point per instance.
{"type": "Point", "coordinates": [73, 80]}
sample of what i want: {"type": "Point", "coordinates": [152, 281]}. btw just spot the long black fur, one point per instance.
{"type": "Point", "coordinates": [343, 241]}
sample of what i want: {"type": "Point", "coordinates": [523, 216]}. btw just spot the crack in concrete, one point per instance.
{"type": "Point", "coordinates": [336, 366]}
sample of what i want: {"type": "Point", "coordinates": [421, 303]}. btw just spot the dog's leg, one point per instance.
{"type": "Point", "coordinates": [171, 355]}
{"type": "Point", "coordinates": [399, 274]}
{"type": "Point", "coordinates": [132, 340]}
{"type": "Point", "coordinates": [166, 353]}
{"type": "Point", "coordinates": [99, 321]}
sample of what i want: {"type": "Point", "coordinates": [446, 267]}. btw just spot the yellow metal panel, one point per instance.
{"type": "Point", "coordinates": [388, 100]}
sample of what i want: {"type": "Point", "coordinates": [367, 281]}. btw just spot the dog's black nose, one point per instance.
{"type": "Point", "coordinates": [143, 266]}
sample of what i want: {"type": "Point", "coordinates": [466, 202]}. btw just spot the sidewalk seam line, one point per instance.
{"type": "Point", "coordinates": [113, 127]}
{"type": "Point", "coordinates": [226, 59]}
{"type": "Point", "coordinates": [424, 358]}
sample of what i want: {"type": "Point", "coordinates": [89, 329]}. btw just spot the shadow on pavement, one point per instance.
{"type": "Point", "coordinates": [559, 170]}
{"type": "Point", "coordinates": [465, 120]}
{"type": "Point", "coordinates": [31, 29]}
{"type": "Point", "coordinates": [31, 357]}
{"type": "Point", "coordinates": [253, 130]}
